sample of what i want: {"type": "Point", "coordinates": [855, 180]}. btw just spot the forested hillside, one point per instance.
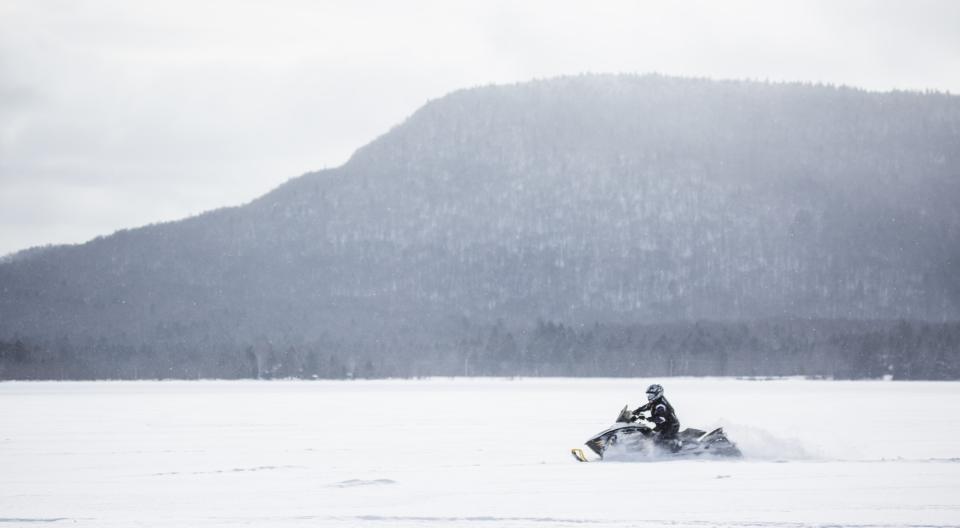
{"type": "Point", "coordinates": [591, 202]}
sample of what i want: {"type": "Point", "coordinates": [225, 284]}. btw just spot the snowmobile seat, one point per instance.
{"type": "Point", "coordinates": [690, 432]}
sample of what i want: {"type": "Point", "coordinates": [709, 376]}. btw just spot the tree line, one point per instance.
{"type": "Point", "coordinates": [839, 349]}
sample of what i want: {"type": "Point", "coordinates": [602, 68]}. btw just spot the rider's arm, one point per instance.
{"type": "Point", "coordinates": [658, 414]}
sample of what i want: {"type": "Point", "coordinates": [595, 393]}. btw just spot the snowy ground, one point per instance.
{"type": "Point", "coordinates": [470, 452]}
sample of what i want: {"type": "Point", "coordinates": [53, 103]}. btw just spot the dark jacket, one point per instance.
{"type": "Point", "coordinates": [663, 415]}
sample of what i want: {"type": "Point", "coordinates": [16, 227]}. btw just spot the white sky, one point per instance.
{"type": "Point", "coordinates": [119, 113]}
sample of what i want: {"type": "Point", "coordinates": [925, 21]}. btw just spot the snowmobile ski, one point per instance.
{"type": "Point", "coordinates": [578, 454]}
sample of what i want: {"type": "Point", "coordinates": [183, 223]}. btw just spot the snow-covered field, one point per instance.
{"type": "Point", "coordinates": [470, 452]}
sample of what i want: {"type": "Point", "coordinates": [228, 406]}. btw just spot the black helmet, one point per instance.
{"type": "Point", "coordinates": [654, 391]}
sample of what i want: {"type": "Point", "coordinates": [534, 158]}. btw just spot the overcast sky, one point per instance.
{"type": "Point", "coordinates": [117, 114]}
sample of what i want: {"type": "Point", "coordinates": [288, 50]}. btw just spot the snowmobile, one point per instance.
{"type": "Point", "coordinates": [628, 438]}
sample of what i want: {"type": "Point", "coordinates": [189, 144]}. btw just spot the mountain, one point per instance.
{"type": "Point", "coordinates": [593, 199]}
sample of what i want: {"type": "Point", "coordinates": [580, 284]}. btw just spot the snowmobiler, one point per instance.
{"type": "Point", "coordinates": [666, 425]}
{"type": "Point", "coordinates": [629, 439]}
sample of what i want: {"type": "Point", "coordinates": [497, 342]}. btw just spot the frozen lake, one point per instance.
{"type": "Point", "coordinates": [471, 452]}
